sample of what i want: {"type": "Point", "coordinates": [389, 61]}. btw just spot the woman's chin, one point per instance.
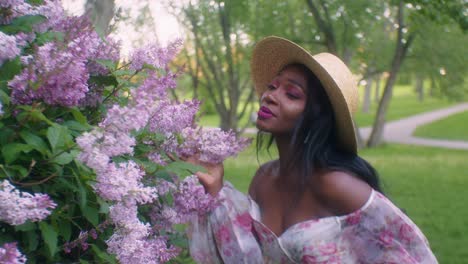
{"type": "Point", "coordinates": [261, 127]}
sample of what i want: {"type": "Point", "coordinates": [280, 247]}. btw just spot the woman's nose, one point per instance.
{"type": "Point", "coordinates": [269, 97]}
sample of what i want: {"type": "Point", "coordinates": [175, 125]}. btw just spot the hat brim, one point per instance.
{"type": "Point", "coordinates": [272, 54]}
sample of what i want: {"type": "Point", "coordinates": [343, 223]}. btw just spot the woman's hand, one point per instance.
{"type": "Point", "coordinates": [212, 180]}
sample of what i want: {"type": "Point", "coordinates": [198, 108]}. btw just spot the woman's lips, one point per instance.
{"type": "Point", "coordinates": [264, 113]}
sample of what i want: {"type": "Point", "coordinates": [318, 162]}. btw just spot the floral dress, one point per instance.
{"type": "Point", "coordinates": [378, 232]}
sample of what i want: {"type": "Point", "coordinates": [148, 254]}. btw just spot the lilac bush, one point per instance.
{"type": "Point", "coordinates": [90, 144]}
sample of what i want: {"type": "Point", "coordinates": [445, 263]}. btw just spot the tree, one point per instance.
{"type": "Point", "coordinates": [221, 62]}
{"type": "Point", "coordinates": [421, 12]}
{"type": "Point", "coordinates": [402, 45]}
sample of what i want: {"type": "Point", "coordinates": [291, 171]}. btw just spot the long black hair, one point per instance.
{"type": "Point", "coordinates": [314, 142]}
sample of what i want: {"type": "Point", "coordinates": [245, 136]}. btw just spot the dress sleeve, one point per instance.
{"type": "Point", "coordinates": [226, 234]}
{"type": "Point", "coordinates": [382, 233]}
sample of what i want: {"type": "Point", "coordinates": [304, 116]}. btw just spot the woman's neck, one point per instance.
{"type": "Point", "coordinates": [283, 143]}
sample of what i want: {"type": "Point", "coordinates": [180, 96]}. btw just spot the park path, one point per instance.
{"type": "Point", "coordinates": [400, 131]}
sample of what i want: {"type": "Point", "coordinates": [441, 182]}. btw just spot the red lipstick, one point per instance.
{"type": "Point", "coordinates": [264, 113]}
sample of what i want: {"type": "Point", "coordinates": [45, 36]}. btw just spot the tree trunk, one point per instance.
{"type": "Point", "coordinates": [367, 96]}
{"type": "Point", "coordinates": [419, 87]}
{"type": "Point", "coordinates": [400, 53]}
{"type": "Point", "coordinates": [432, 88]}
{"type": "Point", "coordinates": [101, 13]}
{"type": "Point", "coordinates": [378, 80]}
{"type": "Point", "coordinates": [324, 26]}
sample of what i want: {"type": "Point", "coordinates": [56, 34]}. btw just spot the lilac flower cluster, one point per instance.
{"type": "Point", "coordinates": [11, 9]}
{"type": "Point", "coordinates": [173, 117]}
{"type": "Point", "coordinates": [9, 48]}
{"type": "Point", "coordinates": [154, 55]}
{"type": "Point", "coordinates": [57, 78]}
{"type": "Point", "coordinates": [58, 72]}
{"type": "Point", "coordinates": [184, 203]}
{"type": "Point", "coordinates": [213, 145]}
{"type": "Point", "coordinates": [9, 254]}
{"type": "Point", "coordinates": [18, 207]}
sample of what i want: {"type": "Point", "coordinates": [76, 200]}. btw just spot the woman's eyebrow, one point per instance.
{"type": "Point", "coordinates": [296, 83]}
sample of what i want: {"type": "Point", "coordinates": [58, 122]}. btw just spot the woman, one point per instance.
{"type": "Point", "coordinates": [319, 202]}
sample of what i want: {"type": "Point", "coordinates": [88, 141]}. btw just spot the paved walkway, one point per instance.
{"type": "Point", "coordinates": [400, 131]}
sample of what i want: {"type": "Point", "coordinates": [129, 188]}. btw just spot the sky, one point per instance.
{"type": "Point", "coordinates": [167, 27]}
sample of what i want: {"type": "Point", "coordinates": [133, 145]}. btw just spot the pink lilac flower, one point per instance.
{"type": "Point", "coordinates": [173, 118]}
{"type": "Point", "coordinates": [80, 36]}
{"type": "Point", "coordinates": [153, 88]}
{"type": "Point", "coordinates": [18, 207]}
{"type": "Point", "coordinates": [57, 77]}
{"type": "Point", "coordinates": [9, 254]}
{"type": "Point", "coordinates": [123, 181]}
{"type": "Point", "coordinates": [133, 249]}
{"type": "Point", "coordinates": [9, 48]}
{"type": "Point", "coordinates": [53, 11]}
{"type": "Point", "coordinates": [190, 199]}
{"type": "Point", "coordinates": [107, 49]}
{"type": "Point", "coordinates": [11, 9]}
{"type": "Point", "coordinates": [125, 119]}
{"type": "Point", "coordinates": [133, 240]}
{"type": "Point", "coordinates": [212, 144]}
{"type": "Point", "coordinates": [154, 55]}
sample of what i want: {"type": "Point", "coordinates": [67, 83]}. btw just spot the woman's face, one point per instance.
{"type": "Point", "coordinates": [283, 101]}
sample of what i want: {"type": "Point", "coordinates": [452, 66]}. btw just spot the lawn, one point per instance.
{"type": "Point", "coordinates": [428, 183]}
{"type": "Point", "coordinates": [454, 127]}
{"type": "Point", "coordinates": [404, 103]}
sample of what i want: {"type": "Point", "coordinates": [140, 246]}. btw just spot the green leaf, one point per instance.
{"type": "Point", "coordinates": [28, 226]}
{"type": "Point", "coordinates": [124, 72]}
{"type": "Point", "coordinates": [76, 127]}
{"type": "Point", "coordinates": [92, 214]}
{"type": "Point", "coordinates": [48, 36]}
{"type": "Point", "coordinates": [9, 69]}
{"type": "Point", "coordinates": [58, 136]}
{"type": "Point", "coordinates": [23, 172]}
{"type": "Point", "coordinates": [22, 24]}
{"type": "Point", "coordinates": [50, 237]}
{"type": "Point", "coordinates": [38, 115]}
{"type": "Point", "coordinates": [32, 240]}
{"type": "Point", "coordinates": [103, 256]}
{"type": "Point", "coordinates": [63, 158]}
{"type": "Point", "coordinates": [35, 141]}
{"type": "Point", "coordinates": [109, 64]}
{"type": "Point", "coordinates": [79, 116]}
{"type": "Point", "coordinates": [65, 230]}
{"type": "Point", "coordinates": [182, 168]}
{"type": "Point", "coordinates": [12, 151]}
{"type": "Point", "coordinates": [108, 80]}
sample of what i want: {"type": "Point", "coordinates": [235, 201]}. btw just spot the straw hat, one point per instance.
{"type": "Point", "coordinates": [271, 54]}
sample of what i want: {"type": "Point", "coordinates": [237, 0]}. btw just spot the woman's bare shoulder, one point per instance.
{"type": "Point", "coordinates": [342, 192]}
{"type": "Point", "coordinates": [262, 172]}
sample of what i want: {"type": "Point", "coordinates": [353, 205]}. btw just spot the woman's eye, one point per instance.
{"type": "Point", "coordinates": [293, 96]}
{"type": "Point", "coordinates": [271, 87]}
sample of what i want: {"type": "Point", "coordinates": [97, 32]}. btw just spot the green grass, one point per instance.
{"type": "Point", "coordinates": [428, 183]}
{"type": "Point", "coordinates": [454, 127]}
{"type": "Point", "coordinates": [404, 103]}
